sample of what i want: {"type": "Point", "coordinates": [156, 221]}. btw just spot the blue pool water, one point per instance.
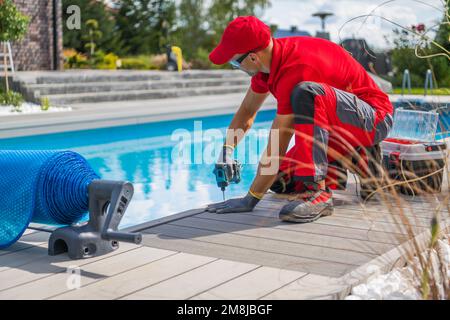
{"type": "Point", "coordinates": [147, 156]}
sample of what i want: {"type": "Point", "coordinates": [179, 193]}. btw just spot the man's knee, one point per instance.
{"type": "Point", "coordinates": [302, 100]}
{"type": "Point", "coordinates": [383, 128]}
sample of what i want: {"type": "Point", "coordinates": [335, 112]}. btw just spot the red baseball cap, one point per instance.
{"type": "Point", "coordinates": [243, 34]}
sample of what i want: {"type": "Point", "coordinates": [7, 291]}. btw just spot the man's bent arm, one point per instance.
{"type": "Point", "coordinates": [281, 132]}
{"type": "Point", "coordinates": [244, 117]}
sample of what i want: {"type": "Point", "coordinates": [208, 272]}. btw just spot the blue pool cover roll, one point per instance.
{"type": "Point", "coordinates": [49, 187]}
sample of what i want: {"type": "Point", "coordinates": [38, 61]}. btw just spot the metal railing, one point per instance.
{"type": "Point", "coordinates": [428, 83]}
{"type": "Point", "coordinates": [406, 81]}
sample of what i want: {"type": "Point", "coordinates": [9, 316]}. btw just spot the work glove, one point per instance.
{"type": "Point", "coordinates": [245, 204]}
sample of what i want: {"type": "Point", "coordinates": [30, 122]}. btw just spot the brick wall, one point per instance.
{"type": "Point", "coordinates": [37, 50]}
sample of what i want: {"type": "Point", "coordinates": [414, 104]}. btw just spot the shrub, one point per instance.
{"type": "Point", "coordinates": [13, 26]}
{"type": "Point", "coordinates": [74, 59]}
{"type": "Point", "coordinates": [99, 60]}
{"type": "Point", "coordinates": [107, 62]}
{"type": "Point", "coordinates": [11, 98]}
{"type": "Point", "coordinates": [68, 53]}
{"type": "Point", "coordinates": [140, 62]}
{"type": "Point", "coordinates": [45, 103]}
{"type": "Point", "coordinates": [134, 63]}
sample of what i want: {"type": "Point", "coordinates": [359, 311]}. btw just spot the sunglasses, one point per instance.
{"type": "Point", "coordinates": [236, 64]}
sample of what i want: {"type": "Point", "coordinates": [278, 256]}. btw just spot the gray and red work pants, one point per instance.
{"type": "Point", "coordinates": [330, 124]}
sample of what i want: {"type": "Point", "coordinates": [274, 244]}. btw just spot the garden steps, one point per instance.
{"type": "Point", "coordinates": [66, 88]}
{"type": "Point", "coordinates": [71, 87]}
{"type": "Point", "coordinates": [93, 97]}
{"type": "Point", "coordinates": [76, 76]}
{"type": "Point", "coordinates": [82, 87]}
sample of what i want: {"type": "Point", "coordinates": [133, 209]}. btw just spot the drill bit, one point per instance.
{"type": "Point", "coordinates": [223, 193]}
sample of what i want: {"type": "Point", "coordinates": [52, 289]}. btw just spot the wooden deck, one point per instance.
{"type": "Point", "coordinates": [200, 255]}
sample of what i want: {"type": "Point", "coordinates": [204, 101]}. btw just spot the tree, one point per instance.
{"type": "Point", "coordinates": [93, 35]}
{"type": "Point", "coordinates": [221, 12]}
{"type": "Point", "coordinates": [13, 26]}
{"type": "Point", "coordinates": [404, 57]}
{"type": "Point", "coordinates": [91, 10]}
{"type": "Point", "coordinates": [190, 34]}
{"type": "Point", "coordinates": [144, 26]}
{"type": "Point", "coordinates": [443, 33]}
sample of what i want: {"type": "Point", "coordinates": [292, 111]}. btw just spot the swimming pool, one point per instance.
{"type": "Point", "coordinates": [147, 155]}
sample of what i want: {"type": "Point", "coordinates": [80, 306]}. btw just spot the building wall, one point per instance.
{"type": "Point", "coordinates": [37, 50]}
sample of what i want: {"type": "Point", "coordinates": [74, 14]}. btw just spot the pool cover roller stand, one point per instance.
{"type": "Point", "coordinates": [108, 201]}
{"type": "Point", "coordinates": [56, 188]}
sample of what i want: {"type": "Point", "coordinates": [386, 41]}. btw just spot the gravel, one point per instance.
{"type": "Point", "coordinates": [400, 283]}
{"type": "Point", "coordinates": [28, 108]}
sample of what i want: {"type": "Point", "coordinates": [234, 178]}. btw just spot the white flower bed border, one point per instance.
{"type": "Point", "coordinates": [400, 283]}
{"type": "Point", "coordinates": [29, 108]}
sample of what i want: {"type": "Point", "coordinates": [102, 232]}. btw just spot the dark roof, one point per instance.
{"type": "Point", "coordinates": [283, 33]}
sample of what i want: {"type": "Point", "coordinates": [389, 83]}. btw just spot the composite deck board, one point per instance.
{"type": "Point", "coordinates": [421, 220]}
{"type": "Point", "coordinates": [383, 217]}
{"type": "Point", "coordinates": [90, 271]}
{"type": "Point", "coordinates": [16, 259]}
{"type": "Point", "coordinates": [347, 222]}
{"type": "Point", "coordinates": [44, 266]}
{"type": "Point", "coordinates": [123, 284]}
{"type": "Point", "coordinates": [29, 231]}
{"type": "Point", "coordinates": [324, 254]}
{"type": "Point", "coordinates": [285, 235]}
{"type": "Point", "coordinates": [245, 255]}
{"type": "Point", "coordinates": [314, 228]}
{"type": "Point", "coordinates": [28, 240]}
{"type": "Point", "coordinates": [194, 282]}
{"type": "Point", "coordinates": [311, 286]}
{"type": "Point", "coordinates": [252, 285]}
{"type": "Point", "coordinates": [355, 210]}
{"type": "Point", "coordinates": [344, 201]}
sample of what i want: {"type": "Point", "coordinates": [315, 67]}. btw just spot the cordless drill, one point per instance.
{"type": "Point", "coordinates": [226, 174]}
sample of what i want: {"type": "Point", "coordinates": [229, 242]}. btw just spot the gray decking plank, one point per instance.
{"type": "Point", "coordinates": [357, 209]}
{"type": "Point", "coordinates": [196, 281]}
{"type": "Point", "coordinates": [28, 231]}
{"type": "Point", "coordinates": [266, 245]}
{"type": "Point", "coordinates": [27, 240]}
{"type": "Point", "coordinates": [139, 278]}
{"type": "Point", "coordinates": [420, 218]}
{"type": "Point", "coordinates": [368, 225]}
{"type": "Point", "coordinates": [248, 256]}
{"type": "Point", "coordinates": [18, 258]}
{"type": "Point", "coordinates": [338, 231]}
{"type": "Point", "coordinates": [285, 235]}
{"type": "Point", "coordinates": [252, 285]}
{"type": "Point", "coordinates": [346, 222]}
{"type": "Point", "coordinates": [346, 198]}
{"type": "Point", "coordinates": [53, 284]}
{"type": "Point", "coordinates": [311, 286]}
{"type": "Point", "coordinates": [385, 218]}
{"type": "Point", "coordinates": [42, 265]}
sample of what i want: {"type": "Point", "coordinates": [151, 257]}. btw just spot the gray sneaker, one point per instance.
{"type": "Point", "coordinates": [302, 211]}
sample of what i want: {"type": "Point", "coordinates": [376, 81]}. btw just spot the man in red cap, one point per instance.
{"type": "Point", "coordinates": [325, 97]}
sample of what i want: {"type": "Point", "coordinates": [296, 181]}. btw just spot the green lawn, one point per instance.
{"type": "Point", "coordinates": [420, 91]}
